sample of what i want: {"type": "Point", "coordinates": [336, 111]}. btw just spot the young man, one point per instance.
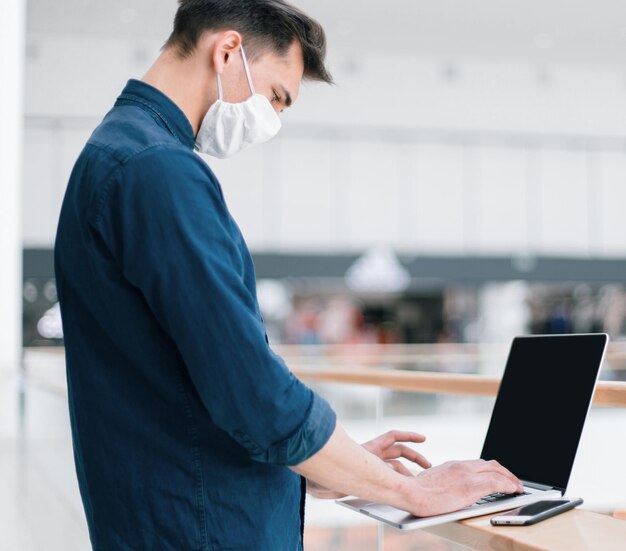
{"type": "Point", "coordinates": [189, 433]}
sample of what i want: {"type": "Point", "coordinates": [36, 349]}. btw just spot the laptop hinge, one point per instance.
{"type": "Point", "coordinates": [537, 486]}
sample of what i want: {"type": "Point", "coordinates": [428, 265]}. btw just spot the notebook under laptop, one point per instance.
{"type": "Point", "coordinates": [535, 427]}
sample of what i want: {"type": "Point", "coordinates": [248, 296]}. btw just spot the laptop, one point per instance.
{"type": "Point", "coordinates": [535, 427]}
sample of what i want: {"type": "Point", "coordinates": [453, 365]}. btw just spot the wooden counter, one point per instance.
{"type": "Point", "coordinates": [576, 530]}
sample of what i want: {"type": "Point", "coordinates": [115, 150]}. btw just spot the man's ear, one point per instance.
{"type": "Point", "coordinates": [227, 44]}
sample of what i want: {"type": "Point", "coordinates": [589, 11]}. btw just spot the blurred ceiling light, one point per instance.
{"type": "Point", "coordinates": [50, 291]}
{"type": "Point", "coordinates": [274, 299]}
{"type": "Point", "coordinates": [378, 271]}
{"type": "Point", "coordinates": [543, 41]}
{"type": "Point", "coordinates": [50, 325]}
{"type": "Point", "coordinates": [30, 291]}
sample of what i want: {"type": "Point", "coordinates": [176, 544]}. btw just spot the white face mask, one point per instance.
{"type": "Point", "coordinates": [228, 128]}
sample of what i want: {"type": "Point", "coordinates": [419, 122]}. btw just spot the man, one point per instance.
{"type": "Point", "coordinates": [189, 433]}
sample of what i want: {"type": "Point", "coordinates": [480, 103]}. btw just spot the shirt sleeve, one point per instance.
{"type": "Point", "coordinates": [166, 223]}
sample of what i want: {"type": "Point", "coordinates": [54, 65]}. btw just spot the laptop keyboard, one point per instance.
{"type": "Point", "coordinates": [497, 497]}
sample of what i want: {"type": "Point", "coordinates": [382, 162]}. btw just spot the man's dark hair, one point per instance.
{"type": "Point", "coordinates": [265, 25]}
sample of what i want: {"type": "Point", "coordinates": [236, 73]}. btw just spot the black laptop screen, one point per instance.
{"type": "Point", "coordinates": [542, 404]}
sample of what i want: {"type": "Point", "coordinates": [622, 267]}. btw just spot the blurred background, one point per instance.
{"type": "Point", "coordinates": [461, 184]}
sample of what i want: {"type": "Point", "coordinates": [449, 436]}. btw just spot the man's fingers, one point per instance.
{"type": "Point", "coordinates": [485, 483]}
{"type": "Point", "coordinates": [403, 436]}
{"type": "Point", "coordinates": [390, 438]}
{"type": "Point", "coordinates": [481, 466]}
{"type": "Point", "coordinates": [496, 467]}
{"type": "Point", "coordinates": [400, 450]}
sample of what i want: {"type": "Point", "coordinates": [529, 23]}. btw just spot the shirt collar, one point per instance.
{"type": "Point", "coordinates": [162, 107]}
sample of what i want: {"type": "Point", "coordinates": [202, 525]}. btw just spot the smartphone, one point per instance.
{"type": "Point", "coordinates": [535, 512]}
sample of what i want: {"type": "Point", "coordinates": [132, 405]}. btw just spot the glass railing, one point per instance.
{"type": "Point", "coordinates": [447, 393]}
{"type": "Point", "coordinates": [443, 391]}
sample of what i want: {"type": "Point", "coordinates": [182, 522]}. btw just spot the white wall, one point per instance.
{"type": "Point", "coordinates": [11, 66]}
{"type": "Point", "coordinates": [406, 151]}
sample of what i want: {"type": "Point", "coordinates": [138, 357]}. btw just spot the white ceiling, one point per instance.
{"type": "Point", "coordinates": [578, 31]}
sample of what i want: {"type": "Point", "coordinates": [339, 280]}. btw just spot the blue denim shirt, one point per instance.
{"type": "Point", "coordinates": [184, 421]}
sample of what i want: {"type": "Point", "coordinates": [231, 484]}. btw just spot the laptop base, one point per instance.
{"type": "Point", "coordinates": [404, 521]}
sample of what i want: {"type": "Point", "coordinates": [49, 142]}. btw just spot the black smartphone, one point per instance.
{"type": "Point", "coordinates": [535, 512]}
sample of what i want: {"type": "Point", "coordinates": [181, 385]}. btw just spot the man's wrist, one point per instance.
{"type": "Point", "coordinates": [408, 499]}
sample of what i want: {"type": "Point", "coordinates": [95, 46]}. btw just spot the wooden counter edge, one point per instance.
{"type": "Point", "coordinates": [576, 530]}
{"type": "Point", "coordinates": [608, 393]}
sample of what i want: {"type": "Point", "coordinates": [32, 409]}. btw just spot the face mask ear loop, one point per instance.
{"type": "Point", "coordinates": [247, 69]}
{"type": "Point", "coordinates": [220, 90]}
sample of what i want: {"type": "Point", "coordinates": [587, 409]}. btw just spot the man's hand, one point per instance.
{"type": "Point", "coordinates": [348, 468]}
{"type": "Point", "coordinates": [389, 447]}
{"type": "Point", "coordinates": [457, 484]}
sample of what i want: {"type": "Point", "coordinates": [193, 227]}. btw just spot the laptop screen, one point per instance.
{"type": "Point", "coordinates": [542, 404]}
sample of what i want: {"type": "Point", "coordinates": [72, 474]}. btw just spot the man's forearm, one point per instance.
{"type": "Point", "coordinates": [344, 466]}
